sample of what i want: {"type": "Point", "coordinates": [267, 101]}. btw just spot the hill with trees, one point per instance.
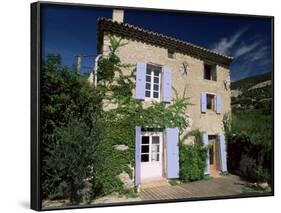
{"type": "Point", "coordinates": [252, 94]}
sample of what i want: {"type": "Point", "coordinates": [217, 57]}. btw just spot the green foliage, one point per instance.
{"type": "Point", "coordinates": [250, 100]}
{"type": "Point", "coordinates": [81, 125]}
{"type": "Point", "coordinates": [173, 182]}
{"type": "Point", "coordinates": [256, 126]}
{"type": "Point", "coordinates": [69, 112]}
{"type": "Point", "coordinates": [132, 193]}
{"type": "Point", "coordinates": [193, 159]}
{"type": "Point", "coordinates": [250, 145]}
{"type": "Point", "coordinates": [72, 157]}
{"type": "Point", "coordinates": [120, 119]}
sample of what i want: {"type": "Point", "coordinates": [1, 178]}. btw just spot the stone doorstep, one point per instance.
{"type": "Point", "coordinates": [156, 182]}
{"type": "Point", "coordinates": [215, 173]}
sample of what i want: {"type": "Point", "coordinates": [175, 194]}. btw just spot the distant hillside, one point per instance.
{"type": "Point", "coordinates": [252, 94]}
{"type": "Point", "coordinates": [246, 83]}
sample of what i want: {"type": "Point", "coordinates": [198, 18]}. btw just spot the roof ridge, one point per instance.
{"type": "Point", "coordinates": [162, 35]}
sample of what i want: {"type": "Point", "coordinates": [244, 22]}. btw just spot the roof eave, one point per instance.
{"type": "Point", "coordinates": [135, 33]}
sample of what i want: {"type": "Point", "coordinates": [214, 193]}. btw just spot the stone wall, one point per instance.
{"type": "Point", "coordinates": [192, 83]}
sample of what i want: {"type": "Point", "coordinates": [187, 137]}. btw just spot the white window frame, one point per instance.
{"type": "Point", "coordinates": [150, 135]}
{"type": "Point", "coordinates": [151, 98]}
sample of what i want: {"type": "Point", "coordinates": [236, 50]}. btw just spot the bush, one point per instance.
{"type": "Point", "coordinates": [249, 146]}
{"type": "Point", "coordinates": [248, 159]}
{"type": "Point", "coordinates": [193, 159]}
{"type": "Point", "coordinates": [248, 168]}
{"type": "Point", "coordinates": [72, 158]}
{"type": "Point", "coordinates": [262, 174]}
{"type": "Point", "coordinates": [76, 116]}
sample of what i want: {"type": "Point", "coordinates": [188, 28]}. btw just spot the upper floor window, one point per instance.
{"type": "Point", "coordinates": [152, 82]}
{"type": "Point", "coordinates": [210, 72]}
{"type": "Point", "coordinates": [211, 102]}
{"type": "Point", "coordinates": [171, 54]}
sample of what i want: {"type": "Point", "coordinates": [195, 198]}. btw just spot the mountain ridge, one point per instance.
{"type": "Point", "coordinates": [252, 93]}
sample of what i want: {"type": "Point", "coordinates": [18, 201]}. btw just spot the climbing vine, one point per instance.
{"type": "Point", "coordinates": [125, 113]}
{"type": "Point", "coordinates": [82, 125]}
{"type": "Point", "coordinates": [193, 158]}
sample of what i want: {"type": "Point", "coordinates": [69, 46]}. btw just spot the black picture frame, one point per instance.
{"type": "Point", "coordinates": [36, 56]}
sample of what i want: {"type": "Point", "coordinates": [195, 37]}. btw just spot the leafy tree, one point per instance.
{"type": "Point", "coordinates": [249, 145]}
{"type": "Point", "coordinates": [70, 108]}
{"type": "Point", "coordinates": [72, 158]}
{"type": "Point", "coordinates": [81, 125]}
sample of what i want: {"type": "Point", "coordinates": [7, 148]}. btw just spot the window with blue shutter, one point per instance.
{"type": "Point", "coordinates": [172, 144]}
{"type": "Point", "coordinates": [218, 104]}
{"type": "Point", "coordinates": [203, 102]}
{"type": "Point", "coordinates": [153, 82]}
{"type": "Point", "coordinates": [167, 84]}
{"type": "Point", "coordinates": [140, 81]}
{"type": "Point", "coordinates": [206, 143]}
{"type": "Point", "coordinates": [137, 155]}
{"type": "Point", "coordinates": [222, 153]}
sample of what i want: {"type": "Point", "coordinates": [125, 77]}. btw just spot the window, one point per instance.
{"type": "Point", "coordinates": [150, 148]}
{"type": "Point", "coordinates": [171, 54]}
{"type": "Point", "coordinates": [211, 102]}
{"type": "Point", "coordinates": [210, 72]}
{"type": "Point", "coordinates": [152, 83]}
{"type": "Point", "coordinates": [145, 149]}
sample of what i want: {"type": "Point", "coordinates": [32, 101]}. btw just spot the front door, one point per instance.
{"type": "Point", "coordinates": [151, 155]}
{"type": "Point", "coordinates": [213, 155]}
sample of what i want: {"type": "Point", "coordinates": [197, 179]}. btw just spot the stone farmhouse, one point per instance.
{"type": "Point", "coordinates": [163, 65]}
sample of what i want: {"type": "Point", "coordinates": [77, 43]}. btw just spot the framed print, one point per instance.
{"type": "Point", "coordinates": [135, 106]}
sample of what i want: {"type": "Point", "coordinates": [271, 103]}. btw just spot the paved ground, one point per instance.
{"type": "Point", "coordinates": [220, 186]}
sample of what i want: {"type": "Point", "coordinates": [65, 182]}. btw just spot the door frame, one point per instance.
{"type": "Point", "coordinates": [214, 142]}
{"type": "Point", "coordinates": [161, 149]}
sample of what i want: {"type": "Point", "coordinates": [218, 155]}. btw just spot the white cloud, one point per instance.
{"type": "Point", "coordinates": [260, 53]}
{"type": "Point", "coordinates": [245, 48]}
{"type": "Point", "coordinates": [225, 44]}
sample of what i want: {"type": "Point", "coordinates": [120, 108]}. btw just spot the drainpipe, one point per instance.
{"type": "Point", "coordinates": [96, 69]}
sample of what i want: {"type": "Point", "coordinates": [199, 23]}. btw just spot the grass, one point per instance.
{"type": "Point", "coordinates": [224, 173]}
{"type": "Point", "coordinates": [207, 177]}
{"type": "Point", "coordinates": [173, 182]}
{"type": "Point", "coordinates": [131, 194]}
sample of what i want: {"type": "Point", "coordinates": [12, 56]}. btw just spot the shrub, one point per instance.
{"type": "Point", "coordinates": [262, 174]}
{"type": "Point", "coordinates": [193, 159]}
{"type": "Point", "coordinates": [249, 145]}
{"type": "Point", "coordinates": [72, 158]}
{"type": "Point", "coordinates": [248, 168]}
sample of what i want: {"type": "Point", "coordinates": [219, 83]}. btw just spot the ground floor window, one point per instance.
{"type": "Point", "coordinates": [150, 148]}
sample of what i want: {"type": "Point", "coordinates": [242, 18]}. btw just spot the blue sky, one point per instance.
{"type": "Point", "coordinates": [71, 30]}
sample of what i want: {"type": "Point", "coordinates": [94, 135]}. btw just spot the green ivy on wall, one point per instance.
{"type": "Point", "coordinates": [126, 113]}
{"type": "Point", "coordinates": [193, 158]}
{"type": "Point", "coordinates": [68, 98]}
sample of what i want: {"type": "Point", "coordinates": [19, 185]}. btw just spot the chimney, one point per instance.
{"type": "Point", "coordinates": [118, 15]}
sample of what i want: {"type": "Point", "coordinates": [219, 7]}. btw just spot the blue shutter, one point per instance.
{"type": "Point", "coordinates": [167, 84]}
{"type": "Point", "coordinates": [172, 144]}
{"type": "Point", "coordinates": [137, 155]}
{"type": "Point", "coordinates": [222, 153]}
{"type": "Point", "coordinates": [206, 143]}
{"type": "Point", "coordinates": [203, 102]}
{"type": "Point", "coordinates": [218, 104]}
{"type": "Point", "coordinates": [140, 81]}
